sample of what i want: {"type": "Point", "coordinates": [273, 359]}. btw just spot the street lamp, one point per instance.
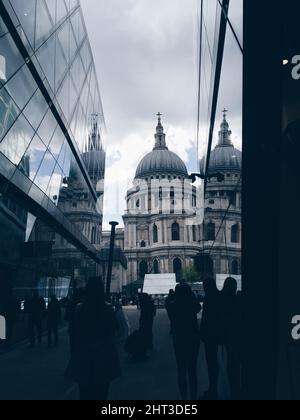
{"type": "Point", "coordinates": [111, 258]}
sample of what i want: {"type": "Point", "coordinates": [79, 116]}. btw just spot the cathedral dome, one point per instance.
{"type": "Point", "coordinates": [225, 157]}
{"type": "Point", "coordinates": [161, 160]}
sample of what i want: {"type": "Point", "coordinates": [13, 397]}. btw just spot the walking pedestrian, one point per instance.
{"type": "Point", "coordinates": [53, 319]}
{"type": "Point", "coordinates": [35, 309]}
{"type": "Point", "coordinates": [231, 316]}
{"type": "Point", "coordinates": [94, 361]}
{"type": "Point", "coordinates": [147, 315]}
{"type": "Point", "coordinates": [186, 339]}
{"type": "Point", "coordinates": [168, 302]}
{"type": "Point", "coordinates": [211, 332]}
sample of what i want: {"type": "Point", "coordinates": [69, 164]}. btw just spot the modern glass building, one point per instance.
{"type": "Point", "coordinates": [52, 161]}
{"type": "Point", "coordinates": [220, 104]}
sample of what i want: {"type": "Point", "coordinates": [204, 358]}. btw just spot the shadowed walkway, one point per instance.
{"type": "Point", "coordinates": [38, 374]}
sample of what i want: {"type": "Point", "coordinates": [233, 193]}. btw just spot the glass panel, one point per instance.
{"type": "Point", "coordinates": [57, 142]}
{"type": "Point", "coordinates": [65, 158]}
{"type": "Point", "coordinates": [73, 123]}
{"type": "Point", "coordinates": [61, 64]}
{"type": "Point", "coordinates": [61, 10]}
{"type": "Point", "coordinates": [55, 184]}
{"type": "Point", "coordinates": [235, 13]}
{"type": "Point", "coordinates": [78, 27]}
{"type": "Point", "coordinates": [3, 28]}
{"type": "Point", "coordinates": [93, 86]}
{"type": "Point", "coordinates": [43, 23]}
{"type": "Point", "coordinates": [78, 72]}
{"type": "Point", "coordinates": [79, 134]}
{"type": "Point", "coordinates": [34, 155]}
{"type": "Point", "coordinates": [46, 57]}
{"type": "Point", "coordinates": [73, 96]}
{"type": "Point", "coordinates": [25, 11]}
{"type": "Point", "coordinates": [11, 59]}
{"type": "Point", "coordinates": [36, 109]}
{"type": "Point", "coordinates": [51, 5]}
{"type": "Point", "coordinates": [86, 55]}
{"type": "Point", "coordinates": [22, 86]}
{"type": "Point", "coordinates": [85, 96]}
{"type": "Point", "coordinates": [47, 127]}
{"type": "Point", "coordinates": [71, 4]}
{"type": "Point", "coordinates": [8, 112]}
{"type": "Point", "coordinates": [45, 172]}
{"type": "Point", "coordinates": [63, 98]}
{"type": "Point", "coordinates": [15, 143]}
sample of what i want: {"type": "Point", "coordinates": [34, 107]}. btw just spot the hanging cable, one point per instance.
{"type": "Point", "coordinates": [231, 27]}
{"type": "Point", "coordinates": [200, 76]}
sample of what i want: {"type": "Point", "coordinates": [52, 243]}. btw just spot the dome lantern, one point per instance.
{"type": "Point", "coordinates": [225, 133]}
{"type": "Point", "coordinates": [161, 161]}
{"type": "Point", "coordinates": [160, 137]}
{"type": "Point", "coordinates": [225, 157]}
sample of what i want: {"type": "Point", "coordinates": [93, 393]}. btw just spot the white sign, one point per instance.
{"type": "Point", "coordinates": [2, 328]}
{"type": "Point", "coordinates": [222, 277]}
{"type": "Point", "coordinates": [159, 284]}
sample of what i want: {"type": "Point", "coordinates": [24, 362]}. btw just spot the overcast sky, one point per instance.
{"type": "Point", "coordinates": [145, 53]}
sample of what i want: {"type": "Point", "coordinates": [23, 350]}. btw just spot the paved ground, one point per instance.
{"type": "Point", "coordinates": [38, 374]}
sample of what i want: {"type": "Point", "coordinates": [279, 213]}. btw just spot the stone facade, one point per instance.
{"type": "Point", "coordinates": [161, 233]}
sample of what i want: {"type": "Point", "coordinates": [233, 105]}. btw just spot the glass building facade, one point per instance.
{"type": "Point", "coordinates": [52, 161]}
{"type": "Point", "coordinates": [220, 121]}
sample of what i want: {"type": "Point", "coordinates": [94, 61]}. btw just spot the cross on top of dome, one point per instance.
{"type": "Point", "coordinates": [225, 133]}
{"type": "Point", "coordinates": [160, 137]}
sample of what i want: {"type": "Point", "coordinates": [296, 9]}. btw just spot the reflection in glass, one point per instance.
{"type": "Point", "coordinates": [35, 154]}
{"type": "Point", "coordinates": [8, 112]}
{"type": "Point", "coordinates": [16, 141]}
{"type": "Point", "coordinates": [43, 24]}
{"type": "Point", "coordinates": [11, 59]}
{"type": "Point", "coordinates": [36, 109]}
{"type": "Point", "coordinates": [25, 10]}
{"type": "Point", "coordinates": [21, 86]}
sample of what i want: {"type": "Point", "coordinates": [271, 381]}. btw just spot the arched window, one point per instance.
{"type": "Point", "coordinates": [235, 267]}
{"type": "Point", "coordinates": [156, 267]}
{"type": "Point", "coordinates": [211, 231]}
{"type": "Point", "coordinates": [143, 269]}
{"type": "Point", "coordinates": [155, 234]}
{"type": "Point", "coordinates": [175, 232]}
{"type": "Point", "coordinates": [235, 234]}
{"type": "Point", "coordinates": [143, 244]}
{"type": "Point", "coordinates": [93, 238]}
{"type": "Point", "coordinates": [177, 268]}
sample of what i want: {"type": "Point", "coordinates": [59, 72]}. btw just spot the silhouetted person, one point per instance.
{"type": "Point", "coordinates": [231, 317]}
{"type": "Point", "coordinates": [211, 334]}
{"type": "Point", "coordinates": [70, 313]}
{"type": "Point", "coordinates": [53, 319]}
{"type": "Point", "coordinates": [168, 302]}
{"type": "Point", "coordinates": [35, 308]}
{"type": "Point", "coordinates": [148, 311]}
{"type": "Point", "coordinates": [186, 338]}
{"type": "Point", "coordinates": [94, 361]}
